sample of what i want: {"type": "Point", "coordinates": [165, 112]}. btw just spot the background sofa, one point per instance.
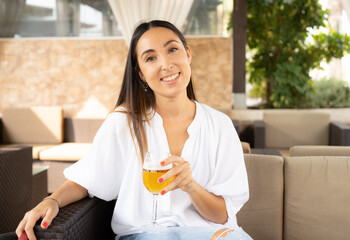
{"type": "Point", "coordinates": [78, 136]}
{"type": "Point", "coordinates": [39, 127]}
{"type": "Point", "coordinates": [282, 129]}
{"type": "Point", "coordinates": [57, 142]}
{"type": "Point", "coordinates": [290, 198]}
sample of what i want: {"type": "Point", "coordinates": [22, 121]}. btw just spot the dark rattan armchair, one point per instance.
{"type": "Point", "coordinates": [89, 218]}
{"type": "Point", "coordinates": [15, 185]}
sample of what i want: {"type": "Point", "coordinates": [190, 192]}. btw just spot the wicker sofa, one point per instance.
{"type": "Point", "coordinates": [289, 199]}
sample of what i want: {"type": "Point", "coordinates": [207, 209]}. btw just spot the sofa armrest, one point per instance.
{"type": "Point", "coordinates": [89, 218]}
{"type": "Point", "coordinates": [259, 134]}
{"type": "Point", "coordinates": [339, 134]}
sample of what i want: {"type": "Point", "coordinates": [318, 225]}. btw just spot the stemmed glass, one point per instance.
{"type": "Point", "coordinates": [152, 170]}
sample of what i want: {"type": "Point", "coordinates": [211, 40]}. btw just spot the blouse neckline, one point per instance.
{"type": "Point", "coordinates": [193, 125]}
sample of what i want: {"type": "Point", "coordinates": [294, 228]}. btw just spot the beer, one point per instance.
{"type": "Point", "coordinates": [150, 178]}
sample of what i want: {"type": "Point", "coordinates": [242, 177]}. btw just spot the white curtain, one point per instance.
{"type": "Point", "coordinates": [130, 13]}
{"type": "Point", "coordinates": [346, 7]}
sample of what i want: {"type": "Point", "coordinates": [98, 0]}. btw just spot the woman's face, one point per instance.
{"type": "Point", "coordinates": [164, 62]}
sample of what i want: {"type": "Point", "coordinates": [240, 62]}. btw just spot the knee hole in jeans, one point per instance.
{"type": "Point", "coordinates": [222, 233]}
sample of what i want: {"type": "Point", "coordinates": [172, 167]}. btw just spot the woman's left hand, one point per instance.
{"type": "Point", "coordinates": [209, 205]}
{"type": "Point", "coordinates": [182, 172]}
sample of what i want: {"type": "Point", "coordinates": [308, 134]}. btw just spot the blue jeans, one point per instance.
{"type": "Point", "coordinates": [189, 233]}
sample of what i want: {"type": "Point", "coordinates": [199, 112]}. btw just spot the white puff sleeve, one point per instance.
{"type": "Point", "coordinates": [230, 177]}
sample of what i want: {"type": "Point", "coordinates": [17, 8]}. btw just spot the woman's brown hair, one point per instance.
{"type": "Point", "coordinates": [133, 96]}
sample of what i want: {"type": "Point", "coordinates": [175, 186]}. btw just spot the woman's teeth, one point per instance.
{"type": "Point", "coordinates": [171, 78]}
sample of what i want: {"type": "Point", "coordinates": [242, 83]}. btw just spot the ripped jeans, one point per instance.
{"type": "Point", "coordinates": [191, 233]}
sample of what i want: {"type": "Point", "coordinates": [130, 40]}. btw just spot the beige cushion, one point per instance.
{"type": "Point", "coordinates": [284, 152]}
{"type": "Point", "coordinates": [82, 130]}
{"type": "Point", "coordinates": [288, 128]}
{"type": "Point", "coordinates": [320, 151]}
{"type": "Point", "coordinates": [317, 197]}
{"type": "Point", "coordinates": [33, 125]}
{"type": "Point", "coordinates": [246, 147]}
{"type": "Point", "coordinates": [36, 148]}
{"type": "Point", "coordinates": [261, 217]}
{"type": "Point", "coordinates": [65, 152]}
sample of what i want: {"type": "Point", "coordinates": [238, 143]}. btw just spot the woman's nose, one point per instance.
{"type": "Point", "coordinates": [166, 63]}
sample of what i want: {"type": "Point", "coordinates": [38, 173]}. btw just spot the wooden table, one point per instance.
{"type": "Point", "coordinates": [39, 184]}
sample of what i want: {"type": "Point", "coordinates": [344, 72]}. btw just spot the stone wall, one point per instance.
{"type": "Point", "coordinates": [84, 75]}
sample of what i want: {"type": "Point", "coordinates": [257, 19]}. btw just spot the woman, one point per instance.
{"type": "Point", "coordinates": [157, 111]}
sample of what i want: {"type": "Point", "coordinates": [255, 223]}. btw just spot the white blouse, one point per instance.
{"type": "Point", "coordinates": [112, 169]}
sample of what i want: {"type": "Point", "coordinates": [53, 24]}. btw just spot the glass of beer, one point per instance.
{"type": "Point", "coordinates": [152, 170]}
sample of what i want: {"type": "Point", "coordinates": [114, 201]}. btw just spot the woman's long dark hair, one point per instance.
{"type": "Point", "coordinates": [133, 96]}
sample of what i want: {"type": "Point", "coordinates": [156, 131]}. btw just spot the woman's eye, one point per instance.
{"type": "Point", "coordinates": [150, 59]}
{"type": "Point", "coordinates": [173, 49]}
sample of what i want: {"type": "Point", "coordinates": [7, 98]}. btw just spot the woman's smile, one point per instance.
{"type": "Point", "coordinates": [171, 79]}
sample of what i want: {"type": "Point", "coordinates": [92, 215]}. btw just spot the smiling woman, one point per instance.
{"type": "Point", "coordinates": [158, 51]}
{"type": "Point", "coordinates": [157, 112]}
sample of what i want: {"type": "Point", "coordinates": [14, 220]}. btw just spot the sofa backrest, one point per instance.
{"type": "Point", "coordinates": [317, 194]}
{"type": "Point", "coordinates": [294, 127]}
{"type": "Point", "coordinates": [299, 151]}
{"type": "Point", "coordinates": [82, 130]}
{"type": "Point", "coordinates": [262, 216]}
{"type": "Point", "coordinates": [33, 125]}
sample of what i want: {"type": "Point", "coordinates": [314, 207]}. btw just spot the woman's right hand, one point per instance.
{"type": "Point", "coordinates": [47, 210]}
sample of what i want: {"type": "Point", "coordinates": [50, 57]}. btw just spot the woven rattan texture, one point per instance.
{"type": "Point", "coordinates": [15, 185]}
{"type": "Point", "coordinates": [8, 236]}
{"type": "Point", "coordinates": [85, 219]}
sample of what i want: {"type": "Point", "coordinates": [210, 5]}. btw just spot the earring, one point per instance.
{"type": "Point", "coordinates": [145, 86]}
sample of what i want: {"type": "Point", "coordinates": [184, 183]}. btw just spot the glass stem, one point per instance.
{"type": "Point", "coordinates": [155, 205]}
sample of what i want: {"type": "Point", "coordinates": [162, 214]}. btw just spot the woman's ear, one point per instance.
{"type": "Point", "coordinates": [189, 54]}
{"type": "Point", "coordinates": [141, 76]}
